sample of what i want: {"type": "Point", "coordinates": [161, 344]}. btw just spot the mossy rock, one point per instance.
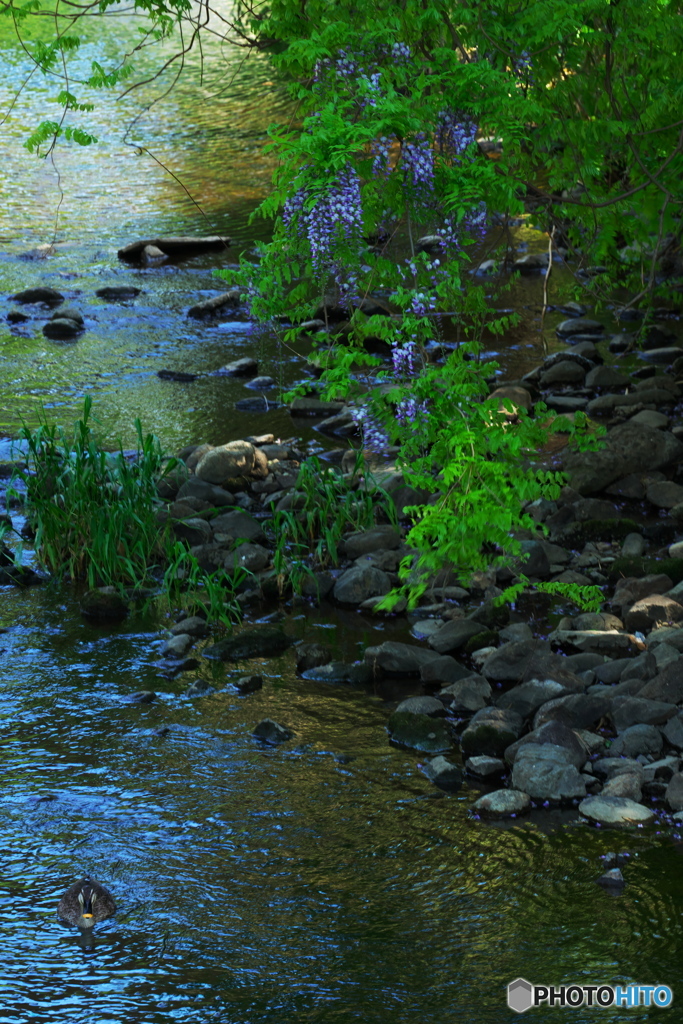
{"type": "Point", "coordinates": [487, 638]}
{"type": "Point", "coordinates": [638, 567]}
{"type": "Point", "coordinates": [600, 529]}
{"type": "Point", "coordinates": [418, 732]}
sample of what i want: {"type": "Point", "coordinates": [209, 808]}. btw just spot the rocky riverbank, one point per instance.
{"type": "Point", "coordinates": [537, 709]}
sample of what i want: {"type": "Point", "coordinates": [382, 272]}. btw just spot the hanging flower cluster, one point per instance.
{"type": "Point", "coordinates": [417, 158]}
{"type": "Point", "coordinates": [328, 217]}
{"type": "Point", "coordinates": [455, 132]}
{"type": "Point", "coordinates": [375, 438]}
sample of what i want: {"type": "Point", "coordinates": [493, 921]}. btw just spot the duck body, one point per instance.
{"type": "Point", "coordinates": [86, 903]}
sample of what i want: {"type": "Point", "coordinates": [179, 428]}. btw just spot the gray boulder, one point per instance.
{"type": "Point", "coordinates": [490, 732]}
{"type": "Point", "coordinates": [615, 810]}
{"type": "Point", "coordinates": [637, 739]}
{"type": "Point", "coordinates": [484, 767]}
{"type": "Point", "coordinates": [626, 784]}
{"type": "Point", "coordinates": [339, 672]}
{"type": "Point", "coordinates": [672, 731]}
{"type": "Point", "coordinates": [104, 604]}
{"type": "Point", "coordinates": [443, 774]}
{"type": "Point", "coordinates": [556, 734]}
{"type": "Point", "coordinates": [628, 448]}
{"type": "Point", "coordinates": [576, 710]}
{"type": "Point", "coordinates": [193, 625]}
{"type": "Point", "coordinates": [627, 711]}
{"type": "Point", "coordinates": [652, 611]}
{"type": "Point", "coordinates": [396, 659]}
{"type": "Point", "coordinates": [527, 697]}
{"type": "Point", "coordinates": [502, 803]}
{"type": "Point", "coordinates": [359, 583]}
{"type": "Point", "coordinates": [467, 695]}
{"type": "Point", "coordinates": [545, 772]}
{"type": "Point", "coordinates": [248, 684]}
{"type": "Point", "coordinates": [252, 557]}
{"type": "Point", "coordinates": [177, 646]}
{"type": "Point", "coordinates": [674, 792]}
{"type": "Point", "coordinates": [238, 525]}
{"type": "Point", "coordinates": [454, 634]}
{"type": "Point", "coordinates": [368, 541]}
{"type": "Point", "coordinates": [429, 706]}
{"type": "Point", "coordinates": [444, 670]}
{"type": "Point", "coordinates": [226, 462]}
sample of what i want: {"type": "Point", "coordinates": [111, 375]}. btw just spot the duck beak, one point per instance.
{"type": "Point", "coordinates": [85, 916]}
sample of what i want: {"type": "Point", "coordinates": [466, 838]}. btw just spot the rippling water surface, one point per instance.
{"type": "Point", "coordinates": [323, 881]}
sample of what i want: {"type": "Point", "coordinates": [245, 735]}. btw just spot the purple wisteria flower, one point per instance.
{"type": "Point", "coordinates": [401, 53]}
{"type": "Point", "coordinates": [523, 65]}
{"type": "Point", "coordinates": [404, 358]}
{"type": "Point", "coordinates": [476, 220]}
{"type": "Point", "coordinates": [332, 215]}
{"type": "Point", "coordinates": [375, 438]}
{"type": "Point", "coordinates": [455, 132]}
{"type": "Point", "coordinates": [417, 158]}
{"type": "Point", "coordinates": [410, 411]}
{"type": "Point", "coordinates": [381, 150]}
{"type": "Point", "coordinates": [421, 304]}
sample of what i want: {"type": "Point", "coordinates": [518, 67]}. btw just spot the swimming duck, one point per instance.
{"type": "Point", "coordinates": [85, 903]}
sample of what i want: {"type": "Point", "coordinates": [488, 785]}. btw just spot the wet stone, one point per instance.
{"type": "Point", "coordinates": [484, 767]}
{"type": "Point", "coordinates": [143, 697]}
{"type": "Point", "coordinates": [614, 810]}
{"type": "Point", "coordinates": [259, 642]}
{"type": "Point", "coordinates": [612, 879]}
{"type": "Point", "coordinates": [46, 295]}
{"type": "Point", "coordinates": [418, 732]}
{"type": "Point", "coordinates": [248, 684]}
{"type": "Point", "coordinates": [177, 646]}
{"type": "Point", "coordinates": [443, 774]}
{"type": "Point", "coordinates": [104, 604]}
{"type": "Point", "coordinates": [271, 732]}
{"type": "Point", "coordinates": [198, 688]}
{"type": "Point", "coordinates": [503, 803]}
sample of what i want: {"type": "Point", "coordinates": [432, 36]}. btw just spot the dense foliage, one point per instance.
{"type": "Point", "coordinates": [394, 100]}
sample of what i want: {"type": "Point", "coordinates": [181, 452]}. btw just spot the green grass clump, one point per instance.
{"type": "Point", "coordinates": [307, 540]}
{"type": "Point", "coordinates": [93, 513]}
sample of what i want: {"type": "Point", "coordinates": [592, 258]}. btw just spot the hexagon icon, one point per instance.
{"type": "Point", "coordinates": [520, 995]}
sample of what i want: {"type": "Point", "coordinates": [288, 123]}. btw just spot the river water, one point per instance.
{"type": "Point", "coordinates": [326, 880]}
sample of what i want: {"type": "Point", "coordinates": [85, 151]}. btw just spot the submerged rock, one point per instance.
{"type": "Point", "coordinates": [117, 293]}
{"type": "Point", "coordinates": [418, 732]}
{"type": "Point", "coordinates": [396, 659]}
{"type": "Point", "coordinates": [46, 295]}
{"type": "Point", "coordinates": [215, 304]}
{"type": "Point", "coordinates": [173, 246]}
{"type": "Point", "coordinates": [612, 879]}
{"type": "Point", "coordinates": [259, 642]}
{"type": "Point", "coordinates": [62, 328]}
{"type": "Point", "coordinates": [269, 731]}
{"type": "Point", "coordinates": [104, 604]}
{"type": "Point", "coordinates": [248, 684]}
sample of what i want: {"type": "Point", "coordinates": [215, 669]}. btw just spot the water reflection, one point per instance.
{"type": "Point", "coordinates": [270, 885]}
